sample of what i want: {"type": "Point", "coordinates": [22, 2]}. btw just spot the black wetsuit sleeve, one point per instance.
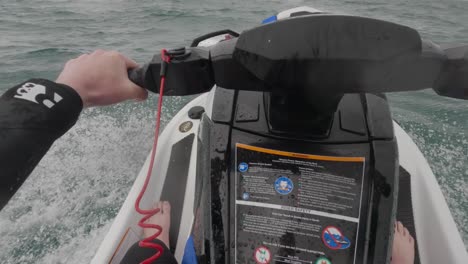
{"type": "Point", "coordinates": [32, 116]}
{"type": "Point", "coordinates": [137, 254]}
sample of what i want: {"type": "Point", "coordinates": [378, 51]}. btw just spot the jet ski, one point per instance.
{"type": "Point", "coordinates": [289, 153]}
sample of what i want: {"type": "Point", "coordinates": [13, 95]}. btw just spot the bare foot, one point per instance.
{"type": "Point", "coordinates": [403, 246]}
{"type": "Point", "coordinates": [163, 219]}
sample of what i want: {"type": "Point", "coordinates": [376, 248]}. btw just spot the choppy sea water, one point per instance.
{"type": "Point", "coordinates": [65, 208]}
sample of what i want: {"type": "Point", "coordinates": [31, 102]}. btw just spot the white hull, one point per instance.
{"type": "Point", "coordinates": [438, 238]}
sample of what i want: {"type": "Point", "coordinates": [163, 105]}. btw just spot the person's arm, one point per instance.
{"type": "Point", "coordinates": [35, 113]}
{"type": "Point", "coordinates": [137, 254]}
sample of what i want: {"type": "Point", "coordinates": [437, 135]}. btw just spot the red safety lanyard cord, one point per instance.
{"type": "Point", "coordinates": [148, 242]}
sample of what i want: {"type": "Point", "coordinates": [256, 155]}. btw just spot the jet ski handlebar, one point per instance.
{"type": "Point", "coordinates": [316, 55]}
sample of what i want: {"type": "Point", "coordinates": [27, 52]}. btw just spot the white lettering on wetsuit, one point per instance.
{"type": "Point", "coordinates": [29, 91]}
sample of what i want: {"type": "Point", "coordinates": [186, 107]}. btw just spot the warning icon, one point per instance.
{"type": "Point", "coordinates": [333, 238]}
{"type": "Point", "coordinates": [323, 260]}
{"type": "Point", "coordinates": [243, 167]}
{"type": "Point", "coordinates": [262, 255]}
{"type": "Point", "coordinates": [284, 185]}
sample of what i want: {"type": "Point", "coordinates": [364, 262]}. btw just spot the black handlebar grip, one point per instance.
{"type": "Point", "coordinates": [137, 75]}
{"type": "Point", "coordinates": [453, 80]}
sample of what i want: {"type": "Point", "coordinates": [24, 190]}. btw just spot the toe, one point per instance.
{"type": "Point", "coordinates": [399, 227]}
{"type": "Point", "coordinates": [405, 231]}
{"type": "Point", "coordinates": [166, 206]}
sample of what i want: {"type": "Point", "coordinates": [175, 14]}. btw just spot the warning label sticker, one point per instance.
{"type": "Point", "coordinates": [296, 208]}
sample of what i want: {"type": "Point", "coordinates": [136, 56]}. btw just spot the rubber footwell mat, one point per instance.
{"type": "Point", "coordinates": [405, 207]}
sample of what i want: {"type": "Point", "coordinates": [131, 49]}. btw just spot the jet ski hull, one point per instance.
{"type": "Point", "coordinates": [181, 162]}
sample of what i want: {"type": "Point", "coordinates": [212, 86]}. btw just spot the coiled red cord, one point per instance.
{"type": "Point", "coordinates": [148, 242]}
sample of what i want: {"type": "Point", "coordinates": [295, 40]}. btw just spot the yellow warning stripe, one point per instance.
{"type": "Point", "coordinates": [300, 155]}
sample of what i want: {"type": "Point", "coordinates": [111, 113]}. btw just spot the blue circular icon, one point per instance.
{"type": "Point", "coordinates": [243, 167]}
{"type": "Point", "coordinates": [284, 185]}
{"type": "Point", "coordinates": [245, 196]}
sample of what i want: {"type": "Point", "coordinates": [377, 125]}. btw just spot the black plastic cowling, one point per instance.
{"type": "Point", "coordinates": [316, 57]}
{"type": "Point", "coordinates": [335, 54]}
